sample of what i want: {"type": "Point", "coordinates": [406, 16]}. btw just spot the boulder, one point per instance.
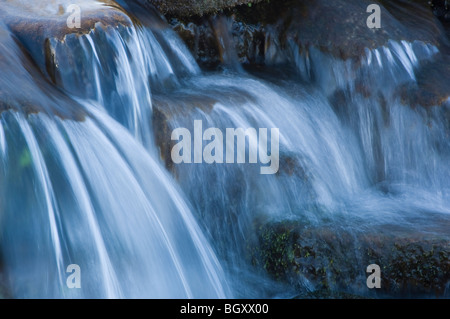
{"type": "Point", "coordinates": [334, 259]}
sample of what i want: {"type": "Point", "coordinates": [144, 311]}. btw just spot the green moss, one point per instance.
{"type": "Point", "coordinates": [184, 9]}
{"type": "Point", "coordinates": [276, 251]}
{"type": "Point", "coordinates": [335, 259]}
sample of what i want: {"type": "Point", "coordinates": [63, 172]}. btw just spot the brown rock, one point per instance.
{"type": "Point", "coordinates": [182, 8]}
{"type": "Point", "coordinates": [413, 263]}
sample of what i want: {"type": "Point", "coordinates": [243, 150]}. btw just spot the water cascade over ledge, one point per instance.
{"type": "Point", "coordinates": [87, 176]}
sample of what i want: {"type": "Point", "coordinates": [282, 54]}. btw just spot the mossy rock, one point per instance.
{"type": "Point", "coordinates": [335, 259]}
{"type": "Point", "coordinates": [183, 9]}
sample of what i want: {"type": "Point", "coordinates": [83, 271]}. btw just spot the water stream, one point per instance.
{"type": "Point", "coordinates": [82, 180]}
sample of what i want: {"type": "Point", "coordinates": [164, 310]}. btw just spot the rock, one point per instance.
{"type": "Point", "coordinates": [204, 39]}
{"type": "Point", "coordinates": [178, 109]}
{"type": "Point", "coordinates": [290, 165]}
{"type": "Point", "coordinates": [24, 88]}
{"type": "Point", "coordinates": [182, 8]}
{"type": "Point", "coordinates": [334, 259]}
{"type": "Point", "coordinates": [167, 111]}
{"type": "Point", "coordinates": [28, 62]}
{"type": "Point", "coordinates": [49, 17]}
{"type": "Point", "coordinates": [432, 85]}
{"type": "Point", "coordinates": [245, 26]}
{"type": "Point", "coordinates": [35, 24]}
{"type": "Point", "coordinates": [201, 41]}
{"type": "Point", "coordinates": [339, 27]}
{"type": "Point", "coordinates": [266, 31]}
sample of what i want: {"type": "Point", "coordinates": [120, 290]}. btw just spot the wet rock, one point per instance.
{"type": "Point", "coordinates": [339, 100]}
{"type": "Point", "coordinates": [340, 28]}
{"type": "Point", "coordinates": [291, 165]}
{"type": "Point", "coordinates": [182, 8]}
{"type": "Point", "coordinates": [179, 109]}
{"type": "Point", "coordinates": [249, 40]}
{"type": "Point", "coordinates": [169, 110]}
{"type": "Point", "coordinates": [28, 62]}
{"type": "Point", "coordinates": [432, 85]}
{"type": "Point", "coordinates": [201, 41]}
{"type": "Point", "coordinates": [49, 18]}
{"type": "Point", "coordinates": [24, 88]}
{"type": "Point", "coordinates": [334, 259]}
{"type": "Point", "coordinates": [34, 24]}
{"type": "Point", "coordinates": [204, 39]}
{"type": "Point", "coordinates": [274, 32]}
{"type": "Point", "coordinates": [162, 131]}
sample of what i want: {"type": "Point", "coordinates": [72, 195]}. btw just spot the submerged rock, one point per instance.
{"type": "Point", "coordinates": [174, 110]}
{"type": "Point", "coordinates": [166, 110]}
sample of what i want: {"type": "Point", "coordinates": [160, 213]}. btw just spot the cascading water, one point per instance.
{"type": "Point", "coordinates": [83, 191]}
{"type": "Point", "coordinates": [353, 158]}
{"type": "Point", "coordinates": [329, 170]}
{"type": "Point", "coordinates": [81, 181]}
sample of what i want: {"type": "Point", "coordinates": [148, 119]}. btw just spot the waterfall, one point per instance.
{"type": "Point", "coordinates": [353, 156]}
{"type": "Point", "coordinates": [331, 167]}
{"type": "Point", "coordinates": [85, 131]}
{"type": "Point", "coordinates": [119, 68]}
{"type": "Point", "coordinates": [82, 190]}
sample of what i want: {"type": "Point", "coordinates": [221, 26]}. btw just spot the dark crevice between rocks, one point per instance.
{"type": "Point", "coordinates": [200, 34]}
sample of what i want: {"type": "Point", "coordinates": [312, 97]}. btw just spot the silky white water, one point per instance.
{"type": "Point", "coordinates": [93, 190]}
